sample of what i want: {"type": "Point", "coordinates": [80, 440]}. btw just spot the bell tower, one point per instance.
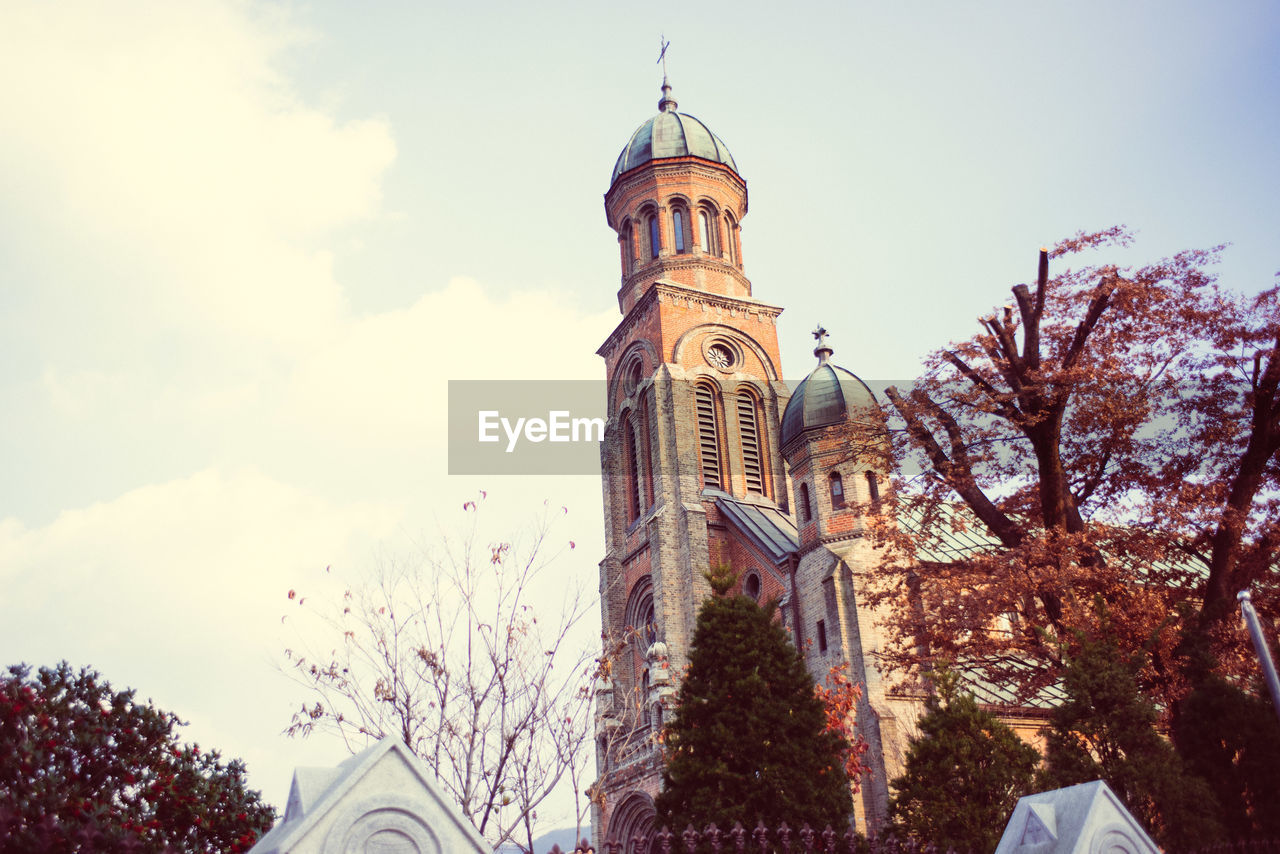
{"type": "Point", "coordinates": [708, 460]}
{"type": "Point", "coordinates": [691, 447]}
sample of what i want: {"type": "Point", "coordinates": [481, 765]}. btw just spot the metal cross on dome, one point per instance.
{"type": "Point", "coordinates": [662, 54]}
{"type": "Point", "coordinates": [821, 335]}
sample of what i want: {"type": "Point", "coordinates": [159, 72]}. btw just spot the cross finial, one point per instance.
{"type": "Point", "coordinates": [663, 44]}
{"type": "Point", "coordinates": [822, 351]}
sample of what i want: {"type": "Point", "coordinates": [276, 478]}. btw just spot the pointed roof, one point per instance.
{"type": "Point", "coordinates": [1081, 819]}
{"type": "Point", "coordinates": [384, 794]}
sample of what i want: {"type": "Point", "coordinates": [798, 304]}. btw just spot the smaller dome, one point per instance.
{"type": "Point", "coordinates": [829, 395]}
{"type": "Point", "coordinates": [671, 134]}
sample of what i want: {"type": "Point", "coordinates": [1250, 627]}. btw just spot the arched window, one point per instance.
{"type": "Point", "coordinates": [873, 489]}
{"type": "Point", "coordinates": [635, 440]}
{"type": "Point", "coordinates": [640, 615]}
{"type": "Point", "coordinates": [635, 485]}
{"type": "Point", "coordinates": [806, 510]}
{"type": "Point", "coordinates": [749, 432]}
{"type": "Point", "coordinates": [625, 243]}
{"type": "Point", "coordinates": [708, 436]}
{"type": "Point", "coordinates": [751, 586]}
{"type": "Point", "coordinates": [730, 238]}
{"type": "Point", "coordinates": [633, 376]}
{"type": "Point", "coordinates": [654, 243]}
{"type": "Point", "coordinates": [706, 232]}
{"type": "Point", "coordinates": [837, 490]}
{"type": "Point", "coordinates": [678, 228]}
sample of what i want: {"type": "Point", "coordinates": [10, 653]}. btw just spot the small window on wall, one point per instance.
{"type": "Point", "coordinates": [706, 232]}
{"type": "Point", "coordinates": [624, 240]}
{"type": "Point", "coordinates": [805, 512]}
{"type": "Point", "coordinates": [873, 488]}
{"type": "Point", "coordinates": [654, 244]}
{"type": "Point", "coordinates": [837, 490]}
{"type": "Point", "coordinates": [751, 586]}
{"type": "Point", "coordinates": [677, 224]}
{"type": "Point", "coordinates": [822, 636]}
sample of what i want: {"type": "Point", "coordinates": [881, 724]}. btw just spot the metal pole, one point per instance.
{"type": "Point", "coordinates": [1260, 644]}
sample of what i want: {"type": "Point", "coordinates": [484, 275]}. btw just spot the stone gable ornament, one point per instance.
{"type": "Point", "coordinates": [1083, 819]}
{"type": "Point", "coordinates": [383, 800]}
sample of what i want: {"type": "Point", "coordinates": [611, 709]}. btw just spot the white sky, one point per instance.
{"type": "Point", "coordinates": [243, 246]}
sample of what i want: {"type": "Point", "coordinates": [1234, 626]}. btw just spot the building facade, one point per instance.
{"type": "Point", "coordinates": [709, 458]}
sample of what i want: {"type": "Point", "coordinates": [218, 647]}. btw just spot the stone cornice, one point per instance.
{"type": "Point", "coordinates": [669, 293]}
{"type": "Point", "coordinates": [688, 166]}
{"type": "Point", "coordinates": [686, 261]}
{"type": "Point", "coordinates": [827, 540]}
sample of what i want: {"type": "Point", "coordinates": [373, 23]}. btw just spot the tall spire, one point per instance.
{"type": "Point", "coordinates": [667, 104]}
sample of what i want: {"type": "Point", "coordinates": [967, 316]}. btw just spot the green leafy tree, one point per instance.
{"type": "Point", "coordinates": [749, 740]}
{"type": "Point", "coordinates": [87, 768]}
{"type": "Point", "coordinates": [1229, 737]}
{"type": "Point", "coordinates": [1106, 729]}
{"type": "Point", "coordinates": [963, 774]}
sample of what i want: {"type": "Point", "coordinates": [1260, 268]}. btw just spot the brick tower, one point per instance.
{"type": "Point", "coordinates": [693, 457]}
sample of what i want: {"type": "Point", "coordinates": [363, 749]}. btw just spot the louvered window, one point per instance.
{"type": "Point", "coordinates": [708, 441]}
{"type": "Point", "coordinates": [749, 431]}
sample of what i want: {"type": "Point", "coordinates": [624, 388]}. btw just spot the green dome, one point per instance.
{"type": "Point", "coordinates": [829, 395]}
{"type": "Point", "coordinates": [671, 134]}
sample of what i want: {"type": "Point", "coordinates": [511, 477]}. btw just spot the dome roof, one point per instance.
{"type": "Point", "coordinates": [671, 134]}
{"type": "Point", "coordinates": [829, 395]}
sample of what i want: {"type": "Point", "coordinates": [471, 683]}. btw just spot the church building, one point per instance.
{"type": "Point", "coordinates": [710, 459]}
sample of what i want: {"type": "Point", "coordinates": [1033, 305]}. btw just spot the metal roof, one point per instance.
{"type": "Point", "coordinates": [773, 531]}
{"type": "Point", "coordinates": [827, 396]}
{"type": "Point", "coordinates": [672, 134]}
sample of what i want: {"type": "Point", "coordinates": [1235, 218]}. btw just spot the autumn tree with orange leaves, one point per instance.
{"type": "Point", "coordinates": [1108, 438]}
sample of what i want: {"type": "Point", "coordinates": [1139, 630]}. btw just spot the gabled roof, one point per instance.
{"type": "Point", "coordinates": [358, 787]}
{"type": "Point", "coordinates": [1074, 820]}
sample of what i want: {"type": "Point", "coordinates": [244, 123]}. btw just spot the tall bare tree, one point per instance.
{"type": "Point", "coordinates": [452, 654]}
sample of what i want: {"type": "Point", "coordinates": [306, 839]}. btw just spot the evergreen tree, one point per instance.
{"type": "Point", "coordinates": [963, 775]}
{"type": "Point", "coordinates": [1106, 730]}
{"type": "Point", "coordinates": [748, 740]}
{"type": "Point", "coordinates": [1229, 737]}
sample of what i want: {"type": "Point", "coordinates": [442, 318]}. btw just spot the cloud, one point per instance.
{"type": "Point", "coordinates": [196, 414]}
{"type": "Point", "coordinates": [177, 589]}
{"type": "Point", "coordinates": [160, 139]}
